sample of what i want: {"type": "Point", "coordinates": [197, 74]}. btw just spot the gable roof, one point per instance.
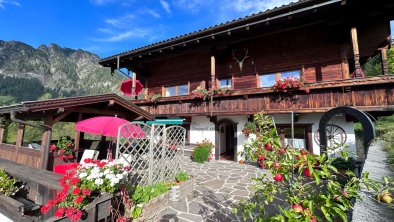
{"type": "Point", "coordinates": [263, 16]}
{"type": "Point", "coordinates": [52, 104]}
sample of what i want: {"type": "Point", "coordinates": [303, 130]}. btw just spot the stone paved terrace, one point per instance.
{"type": "Point", "coordinates": [218, 186]}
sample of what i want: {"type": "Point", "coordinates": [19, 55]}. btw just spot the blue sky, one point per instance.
{"type": "Point", "coordinates": [106, 27]}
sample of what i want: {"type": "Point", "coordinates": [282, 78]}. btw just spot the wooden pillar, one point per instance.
{"type": "Point", "coordinates": [133, 86]}
{"type": "Point", "coordinates": [77, 137]}
{"type": "Point", "coordinates": [146, 89]}
{"type": "Point", "coordinates": [356, 53]}
{"type": "Point", "coordinates": [45, 142]}
{"type": "Point", "coordinates": [344, 62]}
{"type": "Point", "coordinates": [213, 72]}
{"type": "Point", "coordinates": [383, 54]}
{"type": "Point", "coordinates": [19, 140]}
{"type": "Point", "coordinates": [2, 130]}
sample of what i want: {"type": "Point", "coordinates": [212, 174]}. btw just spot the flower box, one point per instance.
{"type": "Point", "coordinates": [154, 207]}
{"type": "Point", "coordinates": [98, 209]}
{"type": "Point", "coordinates": [186, 187]}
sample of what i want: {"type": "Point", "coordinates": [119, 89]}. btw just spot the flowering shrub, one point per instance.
{"type": "Point", "coordinates": [304, 186]}
{"type": "Point", "coordinates": [78, 186]}
{"type": "Point", "coordinates": [64, 148]}
{"type": "Point", "coordinates": [153, 98]}
{"type": "Point", "coordinates": [202, 152]}
{"type": "Point", "coordinates": [290, 84]}
{"type": "Point", "coordinates": [221, 91]}
{"type": "Point", "coordinates": [201, 93]}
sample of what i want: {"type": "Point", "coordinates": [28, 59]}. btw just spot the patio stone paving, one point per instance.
{"type": "Point", "coordinates": [218, 186]}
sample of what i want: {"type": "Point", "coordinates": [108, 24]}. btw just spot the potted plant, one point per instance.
{"type": "Point", "coordinates": [249, 128]}
{"type": "Point", "coordinates": [182, 177]}
{"type": "Point", "coordinates": [202, 151]}
{"type": "Point", "coordinates": [153, 97]}
{"type": "Point", "coordinates": [200, 94]}
{"type": "Point", "coordinates": [64, 150]}
{"type": "Point", "coordinates": [290, 84]}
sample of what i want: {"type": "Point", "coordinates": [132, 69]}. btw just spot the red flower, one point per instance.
{"type": "Point", "coordinates": [61, 152]}
{"type": "Point", "coordinates": [76, 191]}
{"type": "Point", "coordinates": [306, 90]}
{"type": "Point", "coordinates": [101, 164]}
{"type": "Point", "coordinates": [70, 156]}
{"type": "Point", "coordinates": [52, 147]}
{"type": "Point", "coordinates": [70, 211]}
{"type": "Point", "coordinates": [76, 216]}
{"type": "Point", "coordinates": [78, 199]}
{"type": "Point", "coordinates": [86, 191]}
{"type": "Point", "coordinates": [61, 195]}
{"type": "Point", "coordinates": [88, 160]}
{"type": "Point", "coordinates": [59, 212]}
{"type": "Point", "coordinates": [121, 219]}
{"type": "Point", "coordinates": [46, 208]}
{"type": "Point", "coordinates": [74, 181]}
{"type": "Point", "coordinates": [306, 172]}
{"type": "Point", "coordinates": [268, 147]}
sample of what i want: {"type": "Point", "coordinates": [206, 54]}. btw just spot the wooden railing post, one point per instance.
{"type": "Point", "coordinates": [213, 72]}
{"type": "Point", "coordinates": [383, 54]}
{"type": "Point", "coordinates": [356, 53]}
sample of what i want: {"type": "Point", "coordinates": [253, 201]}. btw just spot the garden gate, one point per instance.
{"type": "Point", "coordinates": [154, 152]}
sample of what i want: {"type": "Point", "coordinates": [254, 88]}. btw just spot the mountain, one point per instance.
{"type": "Point", "coordinates": [28, 73]}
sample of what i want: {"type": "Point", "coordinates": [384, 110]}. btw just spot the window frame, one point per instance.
{"type": "Point", "coordinates": [176, 93]}
{"type": "Point", "coordinates": [277, 76]}
{"type": "Point", "coordinates": [227, 79]}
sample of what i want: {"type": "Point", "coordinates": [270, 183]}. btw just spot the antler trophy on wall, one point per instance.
{"type": "Point", "coordinates": [240, 61]}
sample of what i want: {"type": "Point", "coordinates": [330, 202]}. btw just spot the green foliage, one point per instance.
{"type": "Point", "coordinates": [21, 89]}
{"type": "Point", "coordinates": [305, 187]}
{"type": "Point", "coordinates": [373, 67]}
{"type": "Point", "coordinates": [154, 97]}
{"type": "Point", "coordinates": [143, 194]}
{"type": "Point", "coordinates": [385, 129]}
{"type": "Point", "coordinates": [8, 186]}
{"type": "Point", "coordinates": [182, 176]}
{"type": "Point", "coordinates": [6, 100]}
{"type": "Point", "coordinates": [202, 152]}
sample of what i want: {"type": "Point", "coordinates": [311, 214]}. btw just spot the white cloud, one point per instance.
{"type": "Point", "coordinates": [3, 3]}
{"type": "Point", "coordinates": [257, 5]}
{"type": "Point", "coordinates": [191, 5]}
{"type": "Point", "coordinates": [107, 2]}
{"type": "Point", "coordinates": [166, 6]}
{"type": "Point", "coordinates": [152, 13]}
{"type": "Point", "coordinates": [127, 34]}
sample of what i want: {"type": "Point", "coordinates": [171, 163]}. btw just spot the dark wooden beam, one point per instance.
{"type": "Point", "coordinates": [99, 111]}
{"type": "Point", "coordinates": [62, 116]}
{"type": "Point", "coordinates": [344, 62]}
{"type": "Point", "coordinates": [44, 142]}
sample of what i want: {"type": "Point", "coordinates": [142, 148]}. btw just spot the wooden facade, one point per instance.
{"type": "Point", "coordinates": [326, 50]}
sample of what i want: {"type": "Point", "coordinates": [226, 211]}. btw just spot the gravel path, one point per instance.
{"type": "Point", "coordinates": [218, 186]}
{"type": "Point", "coordinates": [369, 209]}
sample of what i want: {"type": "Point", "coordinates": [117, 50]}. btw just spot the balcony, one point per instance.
{"type": "Point", "coordinates": [367, 94]}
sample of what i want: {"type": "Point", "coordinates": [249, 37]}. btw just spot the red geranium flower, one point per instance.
{"type": "Point", "coordinates": [59, 212]}
{"type": "Point", "coordinates": [86, 191]}
{"type": "Point", "coordinates": [76, 190]}
{"type": "Point", "coordinates": [76, 216]}
{"type": "Point", "coordinates": [46, 208]}
{"type": "Point", "coordinates": [75, 180]}
{"type": "Point", "coordinates": [52, 147]}
{"type": "Point", "coordinates": [70, 211]}
{"type": "Point", "coordinates": [78, 199]}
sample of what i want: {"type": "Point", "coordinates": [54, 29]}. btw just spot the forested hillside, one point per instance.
{"type": "Point", "coordinates": [28, 73]}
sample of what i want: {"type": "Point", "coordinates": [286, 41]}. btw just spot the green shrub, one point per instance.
{"type": "Point", "coordinates": [8, 186]}
{"type": "Point", "coordinates": [182, 176]}
{"type": "Point", "coordinates": [202, 152]}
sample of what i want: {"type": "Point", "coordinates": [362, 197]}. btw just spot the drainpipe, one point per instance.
{"type": "Point", "coordinates": [43, 127]}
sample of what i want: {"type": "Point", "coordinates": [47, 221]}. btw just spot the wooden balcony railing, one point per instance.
{"type": "Point", "coordinates": [368, 94]}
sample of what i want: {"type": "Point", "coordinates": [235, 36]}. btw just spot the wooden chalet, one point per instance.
{"type": "Point", "coordinates": [325, 42]}
{"type": "Point", "coordinates": [50, 112]}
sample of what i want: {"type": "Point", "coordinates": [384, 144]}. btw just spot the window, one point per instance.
{"type": "Point", "coordinates": [225, 83]}
{"type": "Point", "coordinates": [268, 80]}
{"type": "Point", "coordinates": [180, 90]}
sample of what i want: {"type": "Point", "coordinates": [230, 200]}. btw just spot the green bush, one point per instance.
{"type": "Point", "coordinates": [182, 176]}
{"type": "Point", "coordinates": [202, 152]}
{"type": "Point", "coordinates": [8, 186]}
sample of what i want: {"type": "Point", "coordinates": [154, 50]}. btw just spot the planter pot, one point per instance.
{"type": "Point", "coordinates": [53, 160]}
{"type": "Point", "coordinates": [153, 208]}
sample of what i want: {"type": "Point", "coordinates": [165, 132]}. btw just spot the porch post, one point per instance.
{"type": "Point", "coordinates": [77, 137]}
{"type": "Point", "coordinates": [45, 141]}
{"type": "Point", "coordinates": [213, 72]}
{"type": "Point", "coordinates": [356, 53]}
{"type": "Point", "coordinates": [344, 62]}
{"type": "Point", "coordinates": [2, 130]}
{"type": "Point", "coordinates": [133, 97]}
{"type": "Point", "coordinates": [383, 54]}
{"type": "Point", "coordinates": [19, 140]}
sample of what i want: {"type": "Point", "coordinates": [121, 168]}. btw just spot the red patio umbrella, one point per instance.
{"type": "Point", "coordinates": [127, 86]}
{"type": "Point", "coordinates": [108, 126]}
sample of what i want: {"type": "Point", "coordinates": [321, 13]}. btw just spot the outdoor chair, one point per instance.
{"type": "Point", "coordinates": [87, 154]}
